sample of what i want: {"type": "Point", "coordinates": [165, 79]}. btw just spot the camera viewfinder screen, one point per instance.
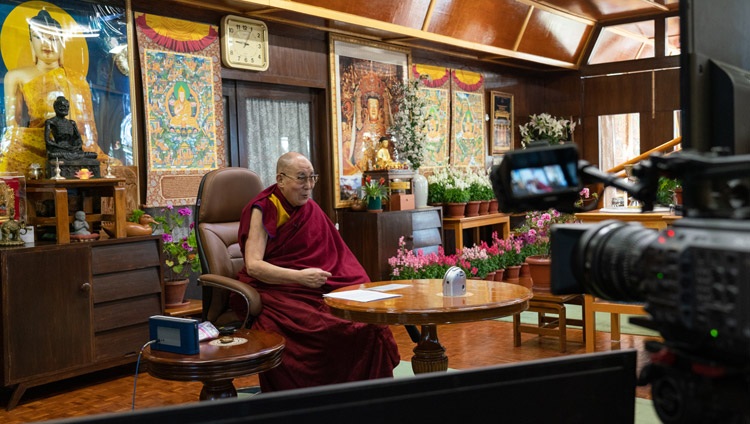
{"type": "Point", "coordinates": [538, 180]}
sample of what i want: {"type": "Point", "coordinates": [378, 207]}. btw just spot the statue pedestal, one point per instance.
{"type": "Point", "coordinates": [68, 168]}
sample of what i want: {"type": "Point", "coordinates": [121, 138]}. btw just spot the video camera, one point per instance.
{"type": "Point", "coordinates": [693, 276]}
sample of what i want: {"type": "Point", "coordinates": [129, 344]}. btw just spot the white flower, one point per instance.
{"type": "Point", "coordinates": [545, 127]}
{"type": "Point", "coordinates": [409, 122]}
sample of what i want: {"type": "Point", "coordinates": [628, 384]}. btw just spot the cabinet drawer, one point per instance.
{"type": "Point", "coordinates": [122, 285]}
{"type": "Point", "coordinates": [425, 220]}
{"type": "Point", "coordinates": [120, 342]}
{"type": "Point", "coordinates": [123, 313]}
{"type": "Point", "coordinates": [125, 256]}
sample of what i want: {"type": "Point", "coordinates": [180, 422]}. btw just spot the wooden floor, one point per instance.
{"type": "Point", "coordinates": [468, 345]}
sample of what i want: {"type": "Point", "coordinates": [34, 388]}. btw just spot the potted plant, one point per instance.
{"type": "Point", "coordinates": [373, 193]}
{"type": "Point", "coordinates": [180, 252]}
{"type": "Point", "coordinates": [535, 232]}
{"type": "Point", "coordinates": [585, 198]}
{"type": "Point", "coordinates": [546, 128]}
{"type": "Point", "coordinates": [665, 190]}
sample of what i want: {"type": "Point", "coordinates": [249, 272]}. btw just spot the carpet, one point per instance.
{"type": "Point", "coordinates": [602, 321]}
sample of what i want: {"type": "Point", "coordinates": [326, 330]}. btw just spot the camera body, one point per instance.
{"type": "Point", "coordinates": [454, 282]}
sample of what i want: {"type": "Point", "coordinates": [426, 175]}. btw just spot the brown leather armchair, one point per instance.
{"type": "Point", "coordinates": [222, 195]}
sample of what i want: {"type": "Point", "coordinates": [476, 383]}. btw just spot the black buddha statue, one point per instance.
{"type": "Point", "coordinates": [64, 144]}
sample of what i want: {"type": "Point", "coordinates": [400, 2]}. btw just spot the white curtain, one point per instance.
{"type": "Point", "coordinates": [275, 127]}
{"type": "Point", "coordinates": [619, 141]}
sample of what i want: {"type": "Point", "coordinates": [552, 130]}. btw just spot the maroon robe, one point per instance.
{"type": "Point", "coordinates": [320, 348]}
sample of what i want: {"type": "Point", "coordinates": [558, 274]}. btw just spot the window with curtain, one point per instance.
{"type": "Point", "coordinates": [275, 127]}
{"type": "Point", "coordinates": [619, 141]}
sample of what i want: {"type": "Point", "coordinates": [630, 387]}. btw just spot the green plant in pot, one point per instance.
{"type": "Point", "coordinates": [374, 192]}
{"type": "Point", "coordinates": [665, 190]}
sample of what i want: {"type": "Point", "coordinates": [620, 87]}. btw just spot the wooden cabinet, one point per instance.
{"type": "Point", "coordinates": [373, 237]}
{"type": "Point", "coordinates": [76, 308]}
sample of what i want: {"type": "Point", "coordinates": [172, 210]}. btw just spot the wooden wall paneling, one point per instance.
{"type": "Point", "coordinates": [608, 95]}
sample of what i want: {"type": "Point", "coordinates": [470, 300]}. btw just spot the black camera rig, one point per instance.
{"type": "Point", "coordinates": [693, 276]}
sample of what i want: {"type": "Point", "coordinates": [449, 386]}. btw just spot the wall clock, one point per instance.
{"type": "Point", "coordinates": [244, 43]}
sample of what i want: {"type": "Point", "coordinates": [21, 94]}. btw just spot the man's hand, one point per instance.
{"type": "Point", "coordinates": [313, 277]}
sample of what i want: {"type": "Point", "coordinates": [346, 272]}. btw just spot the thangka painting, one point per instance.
{"type": "Point", "coordinates": [468, 147]}
{"type": "Point", "coordinates": [180, 62]}
{"type": "Point", "coordinates": [68, 48]}
{"type": "Point", "coordinates": [363, 74]}
{"type": "Point", "coordinates": [435, 89]}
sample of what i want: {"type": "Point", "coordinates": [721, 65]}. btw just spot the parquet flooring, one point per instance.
{"type": "Point", "coordinates": [469, 345]}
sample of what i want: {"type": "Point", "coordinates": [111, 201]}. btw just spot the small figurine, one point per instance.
{"type": "Point", "coordinates": [80, 226]}
{"type": "Point", "coordinates": [10, 231]}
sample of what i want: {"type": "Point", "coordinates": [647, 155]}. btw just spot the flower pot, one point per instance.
{"type": "Point", "coordinates": [539, 266]}
{"type": "Point", "coordinates": [677, 196]}
{"type": "Point", "coordinates": [499, 274]}
{"type": "Point", "coordinates": [454, 210]}
{"type": "Point", "coordinates": [484, 207]}
{"type": "Point", "coordinates": [472, 208]}
{"type": "Point", "coordinates": [511, 274]}
{"type": "Point", "coordinates": [174, 293]}
{"type": "Point", "coordinates": [490, 276]}
{"type": "Point", "coordinates": [524, 276]}
{"type": "Point", "coordinates": [494, 206]}
{"type": "Point", "coordinates": [374, 204]}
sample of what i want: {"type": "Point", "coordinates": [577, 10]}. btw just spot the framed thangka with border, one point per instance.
{"type": "Point", "coordinates": [68, 48]}
{"type": "Point", "coordinates": [468, 147]}
{"type": "Point", "coordinates": [363, 74]}
{"type": "Point", "coordinates": [502, 122]}
{"type": "Point", "coordinates": [435, 89]}
{"type": "Point", "coordinates": [183, 108]}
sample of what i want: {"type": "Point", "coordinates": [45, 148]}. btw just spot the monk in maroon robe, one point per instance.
{"type": "Point", "coordinates": [293, 255]}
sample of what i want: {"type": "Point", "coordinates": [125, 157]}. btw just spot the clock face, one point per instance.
{"type": "Point", "coordinates": [244, 43]}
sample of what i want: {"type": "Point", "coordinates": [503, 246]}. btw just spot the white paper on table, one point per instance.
{"type": "Point", "coordinates": [361, 295]}
{"type": "Point", "coordinates": [388, 287]}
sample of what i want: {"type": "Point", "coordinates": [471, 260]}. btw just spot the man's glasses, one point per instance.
{"type": "Point", "coordinates": [302, 178]}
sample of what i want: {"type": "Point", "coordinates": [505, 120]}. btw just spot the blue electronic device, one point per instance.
{"type": "Point", "coordinates": [178, 335]}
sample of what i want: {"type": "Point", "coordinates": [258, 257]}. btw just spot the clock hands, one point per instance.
{"type": "Point", "coordinates": [246, 43]}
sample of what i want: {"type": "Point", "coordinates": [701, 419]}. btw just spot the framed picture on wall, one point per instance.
{"type": "Point", "coordinates": [502, 122]}
{"type": "Point", "coordinates": [363, 74]}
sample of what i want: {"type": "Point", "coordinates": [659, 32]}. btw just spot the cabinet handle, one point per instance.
{"type": "Point", "coordinates": [86, 288]}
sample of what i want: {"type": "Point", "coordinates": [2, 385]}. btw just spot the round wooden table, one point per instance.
{"type": "Point", "coordinates": [422, 303]}
{"type": "Point", "coordinates": [216, 365]}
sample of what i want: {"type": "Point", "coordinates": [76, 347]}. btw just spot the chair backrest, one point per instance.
{"type": "Point", "coordinates": [222, 195]}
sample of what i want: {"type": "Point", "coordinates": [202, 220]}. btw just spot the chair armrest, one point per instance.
{"type": "Point", "coordinates": [250, 295]}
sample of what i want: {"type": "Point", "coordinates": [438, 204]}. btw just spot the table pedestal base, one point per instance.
{"type": "Point", "coordinates": [429, 355]}
{"type": "Point", "coordinates": [218, 389]}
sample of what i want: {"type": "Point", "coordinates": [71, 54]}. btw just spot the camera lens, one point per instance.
{"type": "Point", "coordinates": [608, 260]}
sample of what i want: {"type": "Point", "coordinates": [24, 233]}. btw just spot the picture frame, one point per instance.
{"type": "Point", "coordinates": [502, 122]}
{"type": "Point", "coordinates": [363, 74]}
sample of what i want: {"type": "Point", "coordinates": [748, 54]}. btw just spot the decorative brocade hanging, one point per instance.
{"type": "Point", "coordinates": [177, 35]}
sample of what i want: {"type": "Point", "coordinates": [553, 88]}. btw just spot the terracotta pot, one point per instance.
{"type": "Point", "coordinates": [493, 206]}
{"type": "Point", "coordinates": [539, 266]}
{"type": "Point", "coordinates": [490, 276]}
{"type": "Point", "coordinates": [524, 276]}
{"type": "Point", "coordinates": [454, 210]}
{"type": "Point", "coordinates": [499, 274]}
{"type": "Point", "coordinates": [677, 196]}
{"type": "Point", "coordinates": [511, 274]}
{"type": "Point", "coordinates": [484, 207]}
{"type": "Point", "coordinates": [472, 208]}
{"type": "Point", "coordinates": [174, 293]}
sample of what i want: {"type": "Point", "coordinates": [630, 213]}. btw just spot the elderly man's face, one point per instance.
{"type": "Point", "coordinates": [297, 181]}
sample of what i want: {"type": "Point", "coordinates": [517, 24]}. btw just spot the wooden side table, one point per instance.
{"type": "Point", "coordinates": [217, 365]}
{"type": "Point", "coordinates": [92, 190]}
{"type": "Point", "coordinates": [457, 225]}
{"type": "Point", "coordinates": [556, 325]}
{"type": "Point", "coordinates": [193, 308]}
